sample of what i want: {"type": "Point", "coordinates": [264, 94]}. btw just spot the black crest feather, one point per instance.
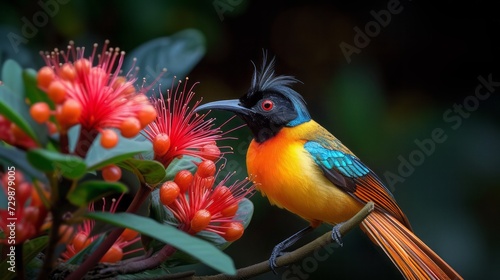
{"type": "Point", "coordinates": [266, 80]}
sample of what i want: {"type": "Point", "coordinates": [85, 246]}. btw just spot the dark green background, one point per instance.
{"type": "Point", "coordinates": [396, 91]}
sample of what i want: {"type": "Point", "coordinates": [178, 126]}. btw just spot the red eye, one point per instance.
{"type": "Point", "coordinates": [267, 105]}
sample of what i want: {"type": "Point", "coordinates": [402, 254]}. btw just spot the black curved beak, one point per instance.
{"type": "Point", "coordinates": [232, 105]}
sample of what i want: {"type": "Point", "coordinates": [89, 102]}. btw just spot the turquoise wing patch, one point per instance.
{"type": "Point", "coordinates": [347, 165]}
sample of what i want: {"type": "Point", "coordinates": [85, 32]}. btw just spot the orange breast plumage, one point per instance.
{"type": "Point", "coordinates": [287, 174]}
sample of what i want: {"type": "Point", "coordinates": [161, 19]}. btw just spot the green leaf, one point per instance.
{"type": "Point", "coordinates": [178, 53]}
{"type": "Point", "coordinates": [98, 157]}
{"type": "Point", "coordinates": [89, 191]}
{"type": "Point", "coordinates": [70, 166]}
{"type": "Point", "coordinates": [195, 247]}
{"type": "Point", "coordinates": [33, 268]}
{"type": "Point", "coordinates": [10, 156]}
{"type": "Point", "coordinates": [157, 273]}
{"type": "Point", "coordinates": [73, 134]}
{"type": "Point", "coordinates": [12, 76]}
{"type": "Point", "coordinates": [151, 171]}
{"type": "Point", "coordinates": [158, 211]}
{"type": "Point", "coordinates": [31, 248]}
{"type": "Point", "coordinates": [13, 108]}
{"type": "Point", "coordinates": [186, 162]}
{"type": "Point", "coordinates": [12, 103]}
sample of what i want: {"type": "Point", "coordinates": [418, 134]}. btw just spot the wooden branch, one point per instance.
{"type": "Point", "coordinates": [294, 256]}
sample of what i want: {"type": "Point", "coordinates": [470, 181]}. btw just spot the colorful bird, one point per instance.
{"type": "Point", "coordinates": [302, 167]}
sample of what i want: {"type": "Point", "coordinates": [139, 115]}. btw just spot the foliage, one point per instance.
{"type": "Point", "coordinates": [71, 182]}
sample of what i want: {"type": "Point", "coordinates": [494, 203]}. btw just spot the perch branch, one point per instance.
{"type": "Point", "coordinates": [294, 256]}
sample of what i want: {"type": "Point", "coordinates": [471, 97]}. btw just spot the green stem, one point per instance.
{"type": "Point", "coordinates": [64, 143]}
{"type": "Point", "coordinates": [53, 239]}
{"type": "Point", "coordinates": [93, 259]}
{"type": "Point", "coordinates": [54, 207]}
{"type": "Point", "coordinates": [84, 142]}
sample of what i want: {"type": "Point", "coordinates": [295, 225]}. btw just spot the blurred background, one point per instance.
{"type": "Point", "coordinates": [383, 76]}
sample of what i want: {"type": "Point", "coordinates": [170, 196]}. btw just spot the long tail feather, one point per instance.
{"type": "Point", "coordinates": [410, 255]}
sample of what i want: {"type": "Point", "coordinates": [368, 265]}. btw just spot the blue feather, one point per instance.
{"type": "Point", "coordinates": [347, 165]}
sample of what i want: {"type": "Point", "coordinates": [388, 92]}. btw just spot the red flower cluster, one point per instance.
{"type": "Point", "coordinates": [25, 212]}
{"type": "Point", "coordinates": [82, 238]}
{"type": "Point", "coordinates": [94, 96]}
{"type": "Point", "coordinates": [198, 205]}
{"type": "Point", "coordinates": [177, 130]}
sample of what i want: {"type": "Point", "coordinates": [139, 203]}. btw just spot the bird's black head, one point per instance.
{"type": "Point", "coordinates": [269, 105]}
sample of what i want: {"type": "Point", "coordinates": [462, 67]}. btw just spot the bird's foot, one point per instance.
{"type": "Point", "coordinates": [283, 245]}
{"type": "Point", "coordinates": [336, 236]}
{"type": "Point", "coordinates": [277, 252]}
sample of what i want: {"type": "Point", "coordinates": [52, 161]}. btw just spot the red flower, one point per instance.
{"type": "Point", "coordinates": [13, 135]}
{"type": "Point", "coordinates": [178, 130]}
{"type": "Point", "coordinates": [24, 212]}
{"type": "Point", "coordinates": [82, 238]}
{"type": "Point", "coordinates": [198, 205]}
{"type": "Point", "coordinates": [91, 92]}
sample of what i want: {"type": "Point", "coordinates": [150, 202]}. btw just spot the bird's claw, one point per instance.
{"type": "Point", "coordinates": [273, 265]}
{"type": "Point", "coordinates": [336, 236]}
{"type": "Point", "coordinates": [277, 252]}
{"type": "Point", "coordinates": [283, 245]}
